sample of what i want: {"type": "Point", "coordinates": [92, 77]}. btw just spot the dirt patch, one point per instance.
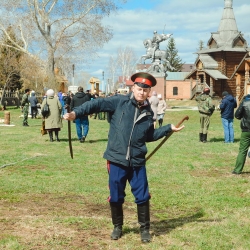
{"type": "Point", "coordinates": [46, 221]}
{"type": "Point", "coordinates": [50, 221]}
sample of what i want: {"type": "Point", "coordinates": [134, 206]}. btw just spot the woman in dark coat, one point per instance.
{"type": "Point", "coordinates": [53, 122]}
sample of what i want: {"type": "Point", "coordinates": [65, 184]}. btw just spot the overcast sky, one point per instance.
{"type": "Point", "coordinates": [188, 20]}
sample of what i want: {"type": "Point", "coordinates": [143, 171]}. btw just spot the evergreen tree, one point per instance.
{"type": "Point", "coordinates": [201, 45]}
{"type": "Point", "coordinates": [174, 60]}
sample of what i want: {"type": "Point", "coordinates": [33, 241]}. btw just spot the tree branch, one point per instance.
{"type": "Point", "coordinates": [73, 22]}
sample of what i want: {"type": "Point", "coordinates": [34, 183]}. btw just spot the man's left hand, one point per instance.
{"type": "Point", "coordinates": [174, 129]}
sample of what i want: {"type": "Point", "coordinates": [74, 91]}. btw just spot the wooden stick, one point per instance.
{"type": "Point", "coordinates": [166, 137]}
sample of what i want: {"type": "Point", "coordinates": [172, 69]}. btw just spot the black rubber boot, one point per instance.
{"type": "Point", "coordinates": [144, 221]}
{"type": "Point", "coordinates": [160, 122]}
{"type": "Point", "coordinates": [117, 220]}
{"type": "Point", "coordinates": [204, 138]}
{"type": "Point", "coordinates": [51, 136]}
{"type": "Point", "coordinates": [56, 134]}
{"type": "Point", "coordinates": [201, 137]}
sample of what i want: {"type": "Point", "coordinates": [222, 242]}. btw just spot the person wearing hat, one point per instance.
{"type": "Point", "coordinates": [162, 106]}
{"type": "Point", "coordinates": [227, 106]}
{"type": "Point", "coordinates": [53, 122]}
{"type": "Point", "coordinates": [131, 126]}
{"type": "Point", "coordinates": [206, 109]}
{"type": "Point", "coordinates": [82, 123]}
{"type": "Point", "coordinates": [25, 107]}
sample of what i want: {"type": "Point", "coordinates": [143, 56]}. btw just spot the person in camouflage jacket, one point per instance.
{"type": "Point", "coordinates": [25, 107]}
{"type": "Point", "coordinates": [206, 109]}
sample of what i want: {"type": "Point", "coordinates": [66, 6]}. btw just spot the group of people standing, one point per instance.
{"type": "Point", "coordinates": [206, 109]}
{"type": "Point", "coordinates": [227, 106]}
{"type": "Point", "coordinates": [59, 105]}
{"type": "Point", "coordinates": [132, 125]}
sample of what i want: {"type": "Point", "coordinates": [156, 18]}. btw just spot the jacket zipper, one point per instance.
{"type": "Point", "coordinates": [121, 117]}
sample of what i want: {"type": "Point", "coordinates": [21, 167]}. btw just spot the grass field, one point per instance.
{"type": "Point", "coordinates": [49, 201]}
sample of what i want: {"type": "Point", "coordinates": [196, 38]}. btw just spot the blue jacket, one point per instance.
{"type": "Point", "coordinates": [227, 106]}
{"type": "Point", "coordinates": [130, 128]}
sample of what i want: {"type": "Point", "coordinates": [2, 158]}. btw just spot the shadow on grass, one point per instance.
{"type": "Point", "coordinates": [94, 141]}
{"type": "Point", "coordinates": [87, 141]}
{"type": "Point", "coordinates": [166, 226]}
{"type": "Point", "coordinates": [61, 140]}
{"type": "Point", "coordinates": [220, 140]}
{"type": "Point", "coordinates": [245, 173]}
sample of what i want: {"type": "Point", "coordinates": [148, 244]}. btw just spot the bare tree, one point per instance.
{"type": "Point", "coordinates": [58, 29]}
{"type": "Point", "coordinates": [33, 76]}
{"type": "Point", "coordinates": [82, 79]}
{"type": "Point", "coordinates": [112, 73]}
{"type": "Point", "coordinates": [126, 60]}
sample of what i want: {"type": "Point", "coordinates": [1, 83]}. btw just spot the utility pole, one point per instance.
{"type": "Point", "coordinates": [165, 85]}
{"type": "Point", "coordinates": [73, 79]}
{"type": "Point", "coordinates": [103, 85]}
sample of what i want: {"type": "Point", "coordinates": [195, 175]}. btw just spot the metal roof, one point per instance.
{"type": "Point", "coordinates": [216, 74]}
{"type": "Point", "coordinates": [176, 76]}
{"type": "Point", "coordinates": [226, 36]}
{"type": "Point", "coordinates": [208, 61]}
{"type": "Point", "coordinates": [228, 27]}
{"type": "Point", "coordinates": [223, 48]}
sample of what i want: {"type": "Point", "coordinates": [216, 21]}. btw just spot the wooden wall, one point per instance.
{"type": "Point", "coordinates": [227, 63]}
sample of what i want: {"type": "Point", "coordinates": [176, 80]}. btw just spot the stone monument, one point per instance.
{"type": "Point", "coordinates": [159, 60]}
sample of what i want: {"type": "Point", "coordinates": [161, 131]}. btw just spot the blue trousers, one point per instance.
{"type": "Point", "coordinates": [118, 177]}
{"type": "Point", "coordinates": [82, 126]}
{"type": "Point", "coordinates": [228, 130]}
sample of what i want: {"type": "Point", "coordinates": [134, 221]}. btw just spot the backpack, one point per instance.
{"type": "Point", "coordinates": [45, 111]}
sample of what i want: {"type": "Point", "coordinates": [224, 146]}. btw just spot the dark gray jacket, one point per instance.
{"type": "Point", "coordinates": [243, 113]}
{"type": "Point", "coordinates": [33, 100]}
{"type": "Point", "coordinates": [130, 128]}
{"type": "Point", "coordinates": [78, 99]}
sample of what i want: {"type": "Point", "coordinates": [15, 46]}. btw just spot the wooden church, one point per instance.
{"type": "Point", "coordinates": [224, 65]}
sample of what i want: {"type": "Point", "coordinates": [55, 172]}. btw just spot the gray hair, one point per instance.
{"type": "Point", "coordinates": [50, 92]}
{"type": "Point", "coordinates": [154, 93]}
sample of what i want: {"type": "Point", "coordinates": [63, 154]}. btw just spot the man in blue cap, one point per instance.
{"type": "Point", "coordinates": [131, 126]}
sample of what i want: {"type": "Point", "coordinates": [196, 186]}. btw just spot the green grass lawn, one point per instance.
{"type": "Point", "coordinates": [49, 201]}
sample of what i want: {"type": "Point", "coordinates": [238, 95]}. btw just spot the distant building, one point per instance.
{"type": "Point", "coordinates": [176, 85]}
{"type": "Point", "coordinates": [224, 64]}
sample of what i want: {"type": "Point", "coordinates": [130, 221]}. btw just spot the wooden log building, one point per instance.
{"type": "Point", "coordinates": [224, 64]}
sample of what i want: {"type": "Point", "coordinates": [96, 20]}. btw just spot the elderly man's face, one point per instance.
{"type": "Point", "coordinates": [140, 94]}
